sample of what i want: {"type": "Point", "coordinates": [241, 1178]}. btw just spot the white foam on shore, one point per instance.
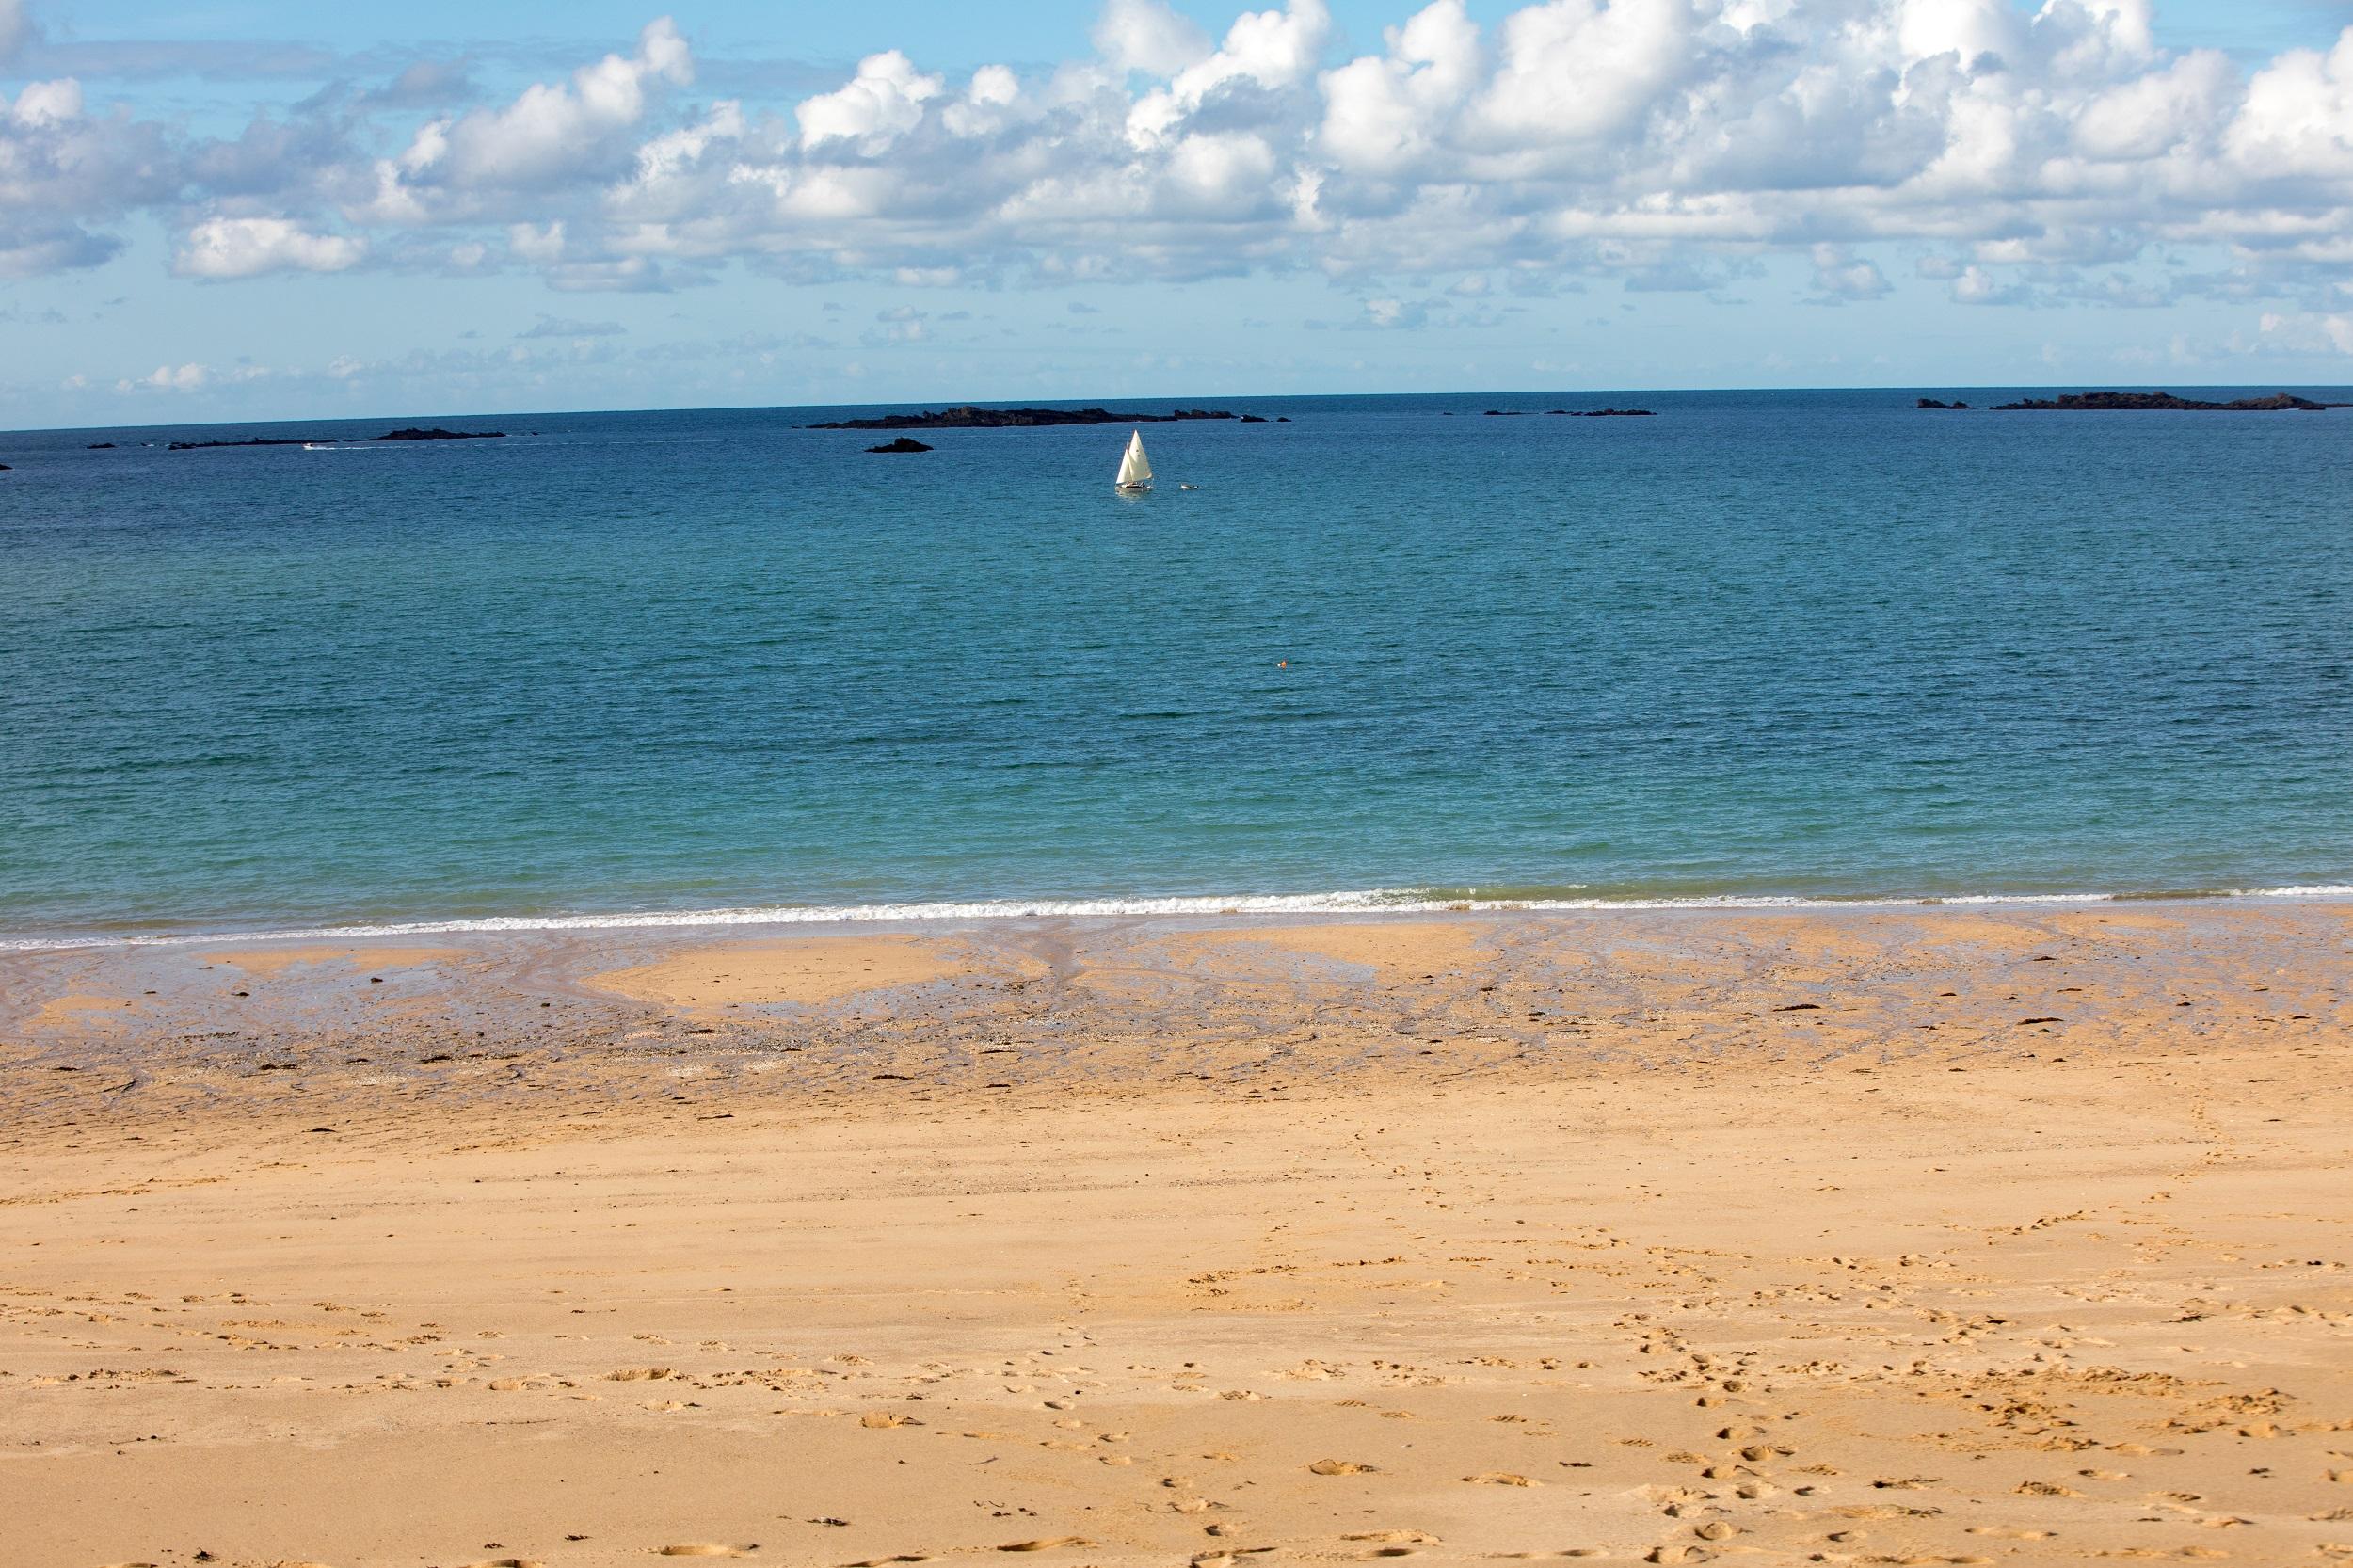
{"type": "Point", "coordinates": [1371, 902]}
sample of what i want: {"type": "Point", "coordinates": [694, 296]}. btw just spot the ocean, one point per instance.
{"type": "Point", "coordinates": [712, 666]}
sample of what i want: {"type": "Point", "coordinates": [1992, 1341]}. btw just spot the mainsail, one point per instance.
{"type": "Point", "coordinates": [1135, 469]}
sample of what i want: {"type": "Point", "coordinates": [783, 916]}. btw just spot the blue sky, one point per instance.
{"type": "Point", "coordinates": [236, 211]}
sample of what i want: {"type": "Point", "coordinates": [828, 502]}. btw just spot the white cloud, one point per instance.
{"type": "Point", "coordinates": [187, 377]}
{"type": "Point", "coordinates": [1671, 143]}
{"type": "Point", "coordinates": [1269, 50]}
{"type": "Point", "coordinates": [552, 129]}
{"type": "Point", "coordinates": [2308, 331]}
{"type": "Point", "coordinates": [1577, 70]}
{"type": "Point", "coordinates": [48, 102]}
{"type": "Point", "coordinates": [1146, 36]}
{"type": "Point", "coordinates": [1382, 113]}
{"type": "Point", "coordinates": [1840, 276]}
{"type": "Point", "coordinates": [883, 102]}
{"type": "Point", "coordinates": [222, 247]}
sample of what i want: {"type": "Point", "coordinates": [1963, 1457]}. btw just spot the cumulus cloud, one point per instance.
{"type": "Point", "coordinates": [1146, 36]}
{"type": "Point", "coordinates": [552, 129]}
{"type": "Point", "coordinates": [1668, 143]}
{"type": "Point", "coordinates": [884, 100]}
{"type": "Point", "coordinates": [223, 248]}
{"type": "Point", "coordinates": [1840, 276]}
{"type": "Point", "coordinates": [187, 377]}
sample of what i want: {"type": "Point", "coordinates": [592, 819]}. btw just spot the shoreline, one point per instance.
{"type": "Point", "coordinates": [1372, 902]}
{"type": "Point", "coordinates": [1978, 1235]}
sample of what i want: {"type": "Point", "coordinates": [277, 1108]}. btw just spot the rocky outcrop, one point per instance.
{"type": "Point", "coordinates": [410, 434]}
{"type": "Point", "coordinates": [2140, 402]}
{"type": "Point", "coordinates": [905, 443]}
{"type": "Point", "coordinates": [1932, 403]}
{"type": "Point", "coordinates": [1575, 413]}
{"type": "Point", "coordinates": [968, 417]}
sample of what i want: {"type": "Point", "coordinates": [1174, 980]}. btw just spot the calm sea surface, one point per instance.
{"type": "Point", "coordinates": [1810, 645]}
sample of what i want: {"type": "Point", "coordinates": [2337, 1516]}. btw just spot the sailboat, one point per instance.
{"type": "Point", "coordinates": [1135, 469]}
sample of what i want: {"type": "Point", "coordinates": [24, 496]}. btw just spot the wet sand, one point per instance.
{"type": "Point", "coordinates": [1934, 1236]}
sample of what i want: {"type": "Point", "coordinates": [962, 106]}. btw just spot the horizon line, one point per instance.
{"type": "Point", "coordinates": [1195, 398]}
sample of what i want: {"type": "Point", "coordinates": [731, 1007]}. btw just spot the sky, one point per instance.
{"type": "Point", "coordinates": [239, 210]}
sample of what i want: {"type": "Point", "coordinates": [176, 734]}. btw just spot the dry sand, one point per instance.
{"type": "Point", "coordinates": [1920, 1237]}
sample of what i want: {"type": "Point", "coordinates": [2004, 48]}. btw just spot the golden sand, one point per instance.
{"type": "Point", "coordinates": [1393, 950]}
{"type": "Point", "coordinates": [1921, 1237]}
{"type": "Point", "coordinates": [73, 1010]}
{"type": "Point", "coordinates": [804, 972]}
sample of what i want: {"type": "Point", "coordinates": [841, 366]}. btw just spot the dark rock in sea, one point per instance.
{"type": "Point", "coordinates": [2141, 402]}
{"type": "Point", "coordinates": [1505, 413]}
{"type": "Point", "coordinates": [4, 468]}
{"type": "Point", "coordinates": [905, 443]}
{"type": "Point", "coordinates": [411, 434]}
{"type": "Point", "coordinates": [100, 446]}
{"type": "Point", "coordinates": [1932, 403]}
{"type": "Point", "coordinates": [1254, 419]}
{"type": "Point", "coordinates": [966, 417]}
{"type": "Point", "coordinates": [1282, 419]}
{"type": "Point", "coordinates": [1601, 414]}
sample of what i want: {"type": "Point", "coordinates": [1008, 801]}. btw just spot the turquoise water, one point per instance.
{"type": "Point", "coordinates": [1772, 645]}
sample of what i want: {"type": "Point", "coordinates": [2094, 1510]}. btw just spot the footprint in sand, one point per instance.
{"type": "Point", "coordinates": [1499, 1478]}
{"type": "Point", "coordinates": [706, 1548]}
{"type": "Point", "coordinates": [508, 1562]}
{"type": "Point", "coordinates": [1340, 1467]}
{"type": "Point", "coordinates": [1047, 1545]}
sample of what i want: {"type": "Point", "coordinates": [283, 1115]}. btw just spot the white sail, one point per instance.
{"type": "Point", "coordinates": [1135, 469]}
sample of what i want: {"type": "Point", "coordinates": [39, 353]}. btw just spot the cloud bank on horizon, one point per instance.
{"type": "Point", "coordinates": [2006, 156]}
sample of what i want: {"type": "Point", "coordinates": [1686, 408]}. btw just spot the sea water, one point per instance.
{"type": "Point", "coordinates": [715, 665]}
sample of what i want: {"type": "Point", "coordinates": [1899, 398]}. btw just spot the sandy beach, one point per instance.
{"type": "Point", "coordinates": [1936, 1235]}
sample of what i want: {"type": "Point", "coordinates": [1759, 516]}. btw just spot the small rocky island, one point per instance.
{"type": "Point", "coordinates": [409, 433]}
{"type": "Point", "coordinates": [2139, 402]}
{"type": "Point", "coordinates": [1932, 403]}
{"type": "Point", "coordinates": [905, 443]}
{"type": "Point", "coordinates": [1574, 413]}
{"type": "Point", "coordinates": [968, 417]}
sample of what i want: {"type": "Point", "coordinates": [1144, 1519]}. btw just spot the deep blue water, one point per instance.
{"type": "Point", "coordinates": [1765, 644]}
